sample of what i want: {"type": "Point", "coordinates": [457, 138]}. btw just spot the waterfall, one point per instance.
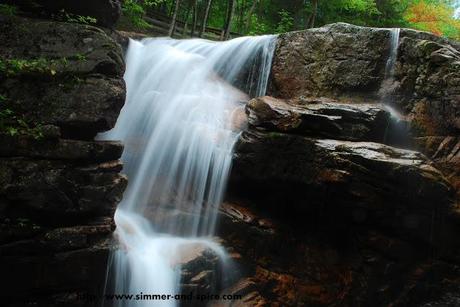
{"type": "Point", "coordinates": [394, 43]}
{"type": "Point", "coordinates": [387, 87]}
{"type": "Point", "coordinates": [183, 113]}
{"type": "Point", "coordinates": [397, 130]}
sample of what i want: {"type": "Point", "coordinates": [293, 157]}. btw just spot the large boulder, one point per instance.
{"type": "Point", "coordinates": [360, 181]}
{"type": "Point", "coordinates": [335, 60]}
{"type": "Point", "coordinates": [327, 118]}
{"type": "Point", "coordinates": [445, 153]}
{"type": "Point", "coordinates": [427, 87]}
{"type": "Point", "coordinates": [63, 74]}
{"type": "Point", "coordinates": [342, 60]}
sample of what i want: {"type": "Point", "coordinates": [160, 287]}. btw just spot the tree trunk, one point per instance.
{"type": "Point", "coordinates": [228, 22]}
{"type": "Point", "coordinates": [174, 18]}
{"type": "Point", "coordinates": [311, 19]}
{"type": "Point", "coordinates": [249, 16]}
{"type": "Point", "coordinates": [187, 15]}
{"type": "Point", "coordinates": [194, 18]}
{"type": "Point", "coordinates": [205, 18]}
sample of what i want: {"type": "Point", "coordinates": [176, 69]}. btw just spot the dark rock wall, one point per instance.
{"type": "Point", "coordinates": [104, 13]}
{"type": "Point", "coordinates": [336, 212]}
{"type": "Point", "coordinates": [428, 84]}
{"type": "Point", "coordinates": [58, 186]}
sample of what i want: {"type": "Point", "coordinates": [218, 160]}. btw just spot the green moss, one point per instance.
{"type": "Point", "coordinates": [70, 82]}
{"type": "Point", "coordinates": [14, 67]}
{"type": "Point", "coordinates": [8, 10]}
{"type": "Point", "coordinates": [274, 135]}
{"type": "Point", "coordinates": [74, 18]}
{"type": "Point", "coordinates": [12, 124]}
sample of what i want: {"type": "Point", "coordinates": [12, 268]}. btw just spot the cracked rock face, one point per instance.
{"type": "Point", "coordinates": [334, 60]}
{"type": "Point", "coordinates": [81, 65]}
{"type": "Point", "coordinates": [346, 214]}
{"type": "Point", "coordinates": [330, 119]}
{"type": "Point", "coordinates": [59, 189]}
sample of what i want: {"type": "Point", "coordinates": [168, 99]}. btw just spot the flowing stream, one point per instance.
{"type": "Point", "coordinates": [183, 114]}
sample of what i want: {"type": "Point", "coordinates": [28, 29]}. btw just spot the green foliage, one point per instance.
{"type": "Point", "coordinates": [253, 17]}
{"type": "Point", "coordinates": [8, 10]}
{"type": "Point", "coordinates": [16, 67]}
{"type": "Point", "coordinates": [258, 26]}
{"type": "Point", "coordinates": [11, 124]}
{"type": "Point", "coordinates": [136, 12]}
{"type": "Point", "coordinates": [153, 3]}
{"type": "Point", "coordinates": [80, 57]}
{"type": "Point", "coordinates": [74, 18]}
{"type": "Point", "coordinates": [286, 23]}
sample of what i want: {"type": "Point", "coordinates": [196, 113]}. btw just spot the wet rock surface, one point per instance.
{"type": "Point", "coordinates": [313, 262]}
{"type": "Point", "coordinates": [346, 180]}
{"type": "Point", "coordinates": [58, 187]}
{"type": "Point", "coordinates": [329, 119]}
{"type": "Point", "coordinates": [335, 213]}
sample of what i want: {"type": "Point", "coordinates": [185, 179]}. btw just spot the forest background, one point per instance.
{"type": "Point", "coordinates": [255, 17]}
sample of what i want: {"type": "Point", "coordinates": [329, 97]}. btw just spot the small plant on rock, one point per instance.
{"type": "Point", "coordinates": [8, 10]}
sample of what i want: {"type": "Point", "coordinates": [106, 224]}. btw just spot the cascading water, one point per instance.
{"type": "Point", "coordinates": [397, 130]}
{"type": "Point", "coordinates": [180, 121]}
{"type": "Point", "coordinates": [394, 43]}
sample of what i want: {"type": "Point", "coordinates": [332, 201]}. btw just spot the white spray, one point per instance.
{"type": "Point", "coordinates": [180, 121]}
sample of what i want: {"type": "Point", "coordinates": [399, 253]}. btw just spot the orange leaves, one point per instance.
{"type": "Point", "coordinates": [433, 17]}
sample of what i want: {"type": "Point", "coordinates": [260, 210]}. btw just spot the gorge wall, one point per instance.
{"type": "Point", "coordinates": [345, 202]}
{"type": "Point", "coordinates": [61, 84]}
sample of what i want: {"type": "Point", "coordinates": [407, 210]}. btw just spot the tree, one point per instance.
{"type": "Point", "coordinates": [194, 17]}
{"type": "Point", "coordinates": [228, 21]}
{"type": "Point", "coordinates": [434, 16]}
{"type": "Point", "coordinates": [312, 18]}
{"type": "Point", "coordinates": [174, 18]}
{"type": "Point", "coordinates": [205, 18]}
{"type": "Point", "coordinates": [249, 15]}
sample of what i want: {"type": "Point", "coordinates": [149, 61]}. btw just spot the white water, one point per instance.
{"type": "Point", "coordinates": [180, 121]}
{"type": "Point", "coordinates": [387, 87]}
{"type": "Point", "coordinates": [394, 43]}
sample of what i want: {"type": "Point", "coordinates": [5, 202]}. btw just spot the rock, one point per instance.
{"type": "Point", "coordinates": [428, 74]}
{"type": "Point", "coordinates": [415, 34]}
{"type": "Point", "coordinates": [342, 60]}
{"type": "Point", "coordinates": [347, 179]}
{"type": "Point", "coordinates": [445, 152]}
{"type": "Point", "coordinates": [201, 271]}
{"type": "Point", "coordinates": [106, 12]}
{"type": "Point", "coordinates": [50, 189]}
{"type": "Point", "coordinates": [71, 48]}
{"type": "Point", "coordinates": [81, 111]}
{"type": "Point", "coordinates": [335, 60]}
{"type": "Point", "coordinates": [58, 187]}
{"type": "Point", "coordinates": [59, 149]}
{"type": "Point", "coordinates": [30, 275]}
{"type": "Point", "coordinates": [123, 37]}
{"type": "Point", "coordinates": [366, 122]}
{"type": "Point", "coordinates": [77, 84]}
